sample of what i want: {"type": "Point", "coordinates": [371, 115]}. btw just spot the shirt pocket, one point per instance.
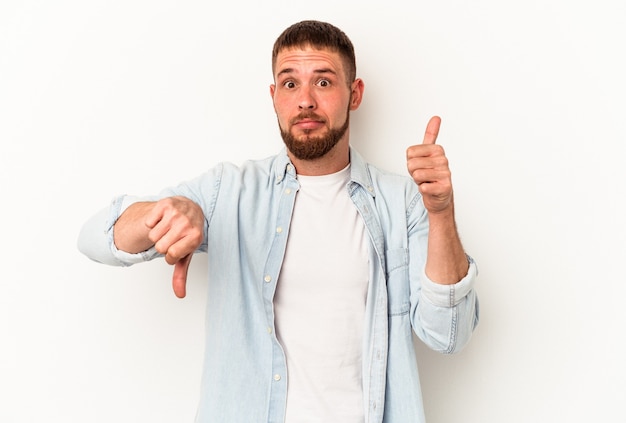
{"type": "Point", "coordinates": [397, 261]}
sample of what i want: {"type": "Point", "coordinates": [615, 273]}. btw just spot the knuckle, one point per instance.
{"type": "Point", "coordinates": [160, 248]}
{"type": "Point", "coordinates": [173, 252]}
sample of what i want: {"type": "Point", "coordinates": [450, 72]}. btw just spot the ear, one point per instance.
{"type": "Point", "coordinates": [356, 95]}
{"type": "Point", "coordinates": [272, 92]}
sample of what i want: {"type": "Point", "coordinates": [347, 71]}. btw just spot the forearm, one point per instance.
{"type": "Point", "coordinates": [130, 232]}
{"type": "Point", "coordinates": [446, 262]}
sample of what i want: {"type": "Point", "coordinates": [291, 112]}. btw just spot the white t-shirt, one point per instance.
{"type": "Point", "coordinates": [319, 303]}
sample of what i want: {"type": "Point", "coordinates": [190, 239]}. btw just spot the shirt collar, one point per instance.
{"type": "Point", "coordinates": [283, 166]}
{"type": "Point", "coordinates": [359, 171]}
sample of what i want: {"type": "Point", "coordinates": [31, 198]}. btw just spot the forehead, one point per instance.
{"type": "Point", "coordinates": [307, 58]}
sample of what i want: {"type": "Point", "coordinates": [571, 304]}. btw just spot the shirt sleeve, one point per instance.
{"type": "Point", "coordinates": [443, 316]}
{"type": "Point", "coordinates": [450, 295]}
{"type": "Point", "coordinates": [448, 314]}
{"type": "Point", "coordinates": [95, 239]}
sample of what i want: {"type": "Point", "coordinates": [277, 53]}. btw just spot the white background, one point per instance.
{"type": "Point", "coordinates": [99, 98]}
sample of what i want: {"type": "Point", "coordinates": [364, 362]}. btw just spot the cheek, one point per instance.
{"type": "Point", "coordinates": [281, 103]}
{"type": "Point", "coordinates": [340, 111]}
{"type": "Point", "coordinates": [278, 107]}
{"type": "Point", "coordinates": [281, 114]}
{"type": "Point", "coordinates": [334, 105]}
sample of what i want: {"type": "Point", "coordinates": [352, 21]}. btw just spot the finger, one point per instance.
{"type": "Point", "coordinates": [179, 279]}
{"type": "Point", "coordinates": [170, 243]}
{"type": "Point", "coordinates": [155, 215]}
{"type": "Point", "coordinates": [432, 130]}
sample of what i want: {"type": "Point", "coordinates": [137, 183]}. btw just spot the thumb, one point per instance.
{"type": "Point", "coordinates": [432, 130]}
{"type": "Point", "coordinates": [179, 279]}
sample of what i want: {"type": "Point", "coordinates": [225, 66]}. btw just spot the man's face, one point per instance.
{"type": "Point", "coordinates": [312, 100]}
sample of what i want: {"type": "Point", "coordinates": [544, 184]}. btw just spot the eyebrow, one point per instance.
{"type": "Point", "coordinates": [321, 71]}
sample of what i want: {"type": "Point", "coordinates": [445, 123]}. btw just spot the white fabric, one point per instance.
{"type": "Point", "coordinates": [320, 303]}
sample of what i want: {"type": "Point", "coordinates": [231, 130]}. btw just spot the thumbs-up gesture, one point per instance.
{"type": "Point", "coordinates": [428, 165]}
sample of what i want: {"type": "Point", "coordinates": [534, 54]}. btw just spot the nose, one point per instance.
{"type": "Point", "coordinates": [306, 100]}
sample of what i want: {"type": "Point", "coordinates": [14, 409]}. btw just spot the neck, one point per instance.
{"type": "Point", "coordinates": [332, 162]}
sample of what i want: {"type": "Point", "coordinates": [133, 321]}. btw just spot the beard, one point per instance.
{"type": "Point", "coordinates": [309, 147]}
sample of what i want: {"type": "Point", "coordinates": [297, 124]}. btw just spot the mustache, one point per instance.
{"type": "Point", "coordinates": [306, 115]}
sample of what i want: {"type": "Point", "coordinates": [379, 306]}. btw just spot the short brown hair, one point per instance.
{"type": "Point", "coordinates": [319, 35]}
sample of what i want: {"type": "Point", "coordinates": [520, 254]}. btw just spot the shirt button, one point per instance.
{"type": "Point", "coordinates": [267, 278]}
{"type": "Point", "coordinates": [279, 229]}
{"type": "Point", "coordinates": [288, 191]}
{"type": "Point", "coordinates": [269, 329]}
{"type": "Point", "coordinates": [276, 377]}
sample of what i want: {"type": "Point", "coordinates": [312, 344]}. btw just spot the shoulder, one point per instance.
{"type": "Point", "coordinates": [254, 168]}
{"type": "Point", "coordinates": [382, 180]}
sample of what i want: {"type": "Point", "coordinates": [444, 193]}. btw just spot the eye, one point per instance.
{"type": "Point", "coordinates": [289, 84]}
{"type": "Point", "coordinates": [323, 83]}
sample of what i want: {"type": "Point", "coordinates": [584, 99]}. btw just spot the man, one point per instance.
{"type": "Point", "coordinates": [320, 265]}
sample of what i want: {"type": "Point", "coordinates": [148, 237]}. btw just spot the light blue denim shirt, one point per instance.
{"type": "Point", "coordinates": [248, 211]}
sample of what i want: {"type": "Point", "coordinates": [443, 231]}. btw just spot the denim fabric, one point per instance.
{"type": "Point", "coordinates": [248, 211]}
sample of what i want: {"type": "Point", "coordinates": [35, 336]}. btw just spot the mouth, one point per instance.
{"type": "Point", "coordinates": [308, 122]}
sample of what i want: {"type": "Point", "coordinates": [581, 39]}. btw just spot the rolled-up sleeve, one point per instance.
{"type": "Point", "coordinates": [453, 306]}
{"type": "Point", "coordinates": [450, 295]}
{"type": "Point", "coordinates": [95, 239]}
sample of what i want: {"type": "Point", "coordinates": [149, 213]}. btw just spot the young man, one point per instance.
{"type": "Point", "coordinates": [320, 265]}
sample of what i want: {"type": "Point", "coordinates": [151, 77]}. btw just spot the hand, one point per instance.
{"type": "Point", "coordinates": [177, 229]}
{"type": "Point", "coordinates": [428, 165]}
